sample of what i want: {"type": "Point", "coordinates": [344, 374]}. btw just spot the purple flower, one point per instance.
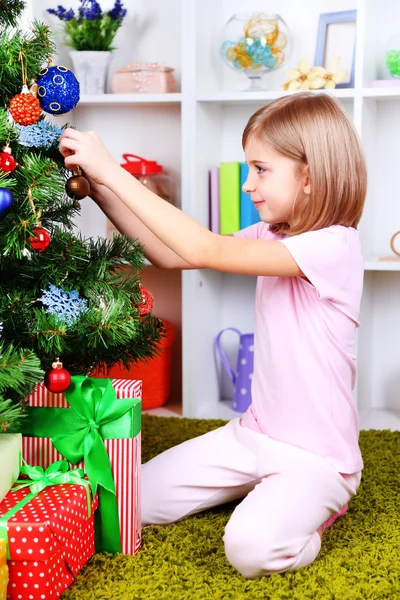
{"type": "Point", "coordinates": [118, 12]}
{"type": "Point", "coordinates": [62, 13]}
{"type": "Point", "coordinates": [91, 10]}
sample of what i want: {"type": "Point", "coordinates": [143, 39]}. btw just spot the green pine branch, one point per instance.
{"type": "Point", "coordinates": [20, 372]}
{"type": "Point", "coordinates": [96, 269]}
{"type": "Point", "coordinates": [105, 274]}
{"type": "Point", "coordinates": [10, 11]}
{"type": "Point", "coordinates": [37, 48]}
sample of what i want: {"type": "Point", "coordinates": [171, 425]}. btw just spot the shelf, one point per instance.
{"type": "Point", "coordinates": [390, 93]}
{"type": "Point", "coordinates": [375, 418]}
{"type": "Point", "coordinates": [263, 96]}
{"type": "Point", "coordinates": [128, 99]}
{"type": "Point", "coordinates": [374, 264]}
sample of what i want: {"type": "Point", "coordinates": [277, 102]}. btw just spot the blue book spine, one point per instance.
{"type": "Point", "coordinates": [248, 213]}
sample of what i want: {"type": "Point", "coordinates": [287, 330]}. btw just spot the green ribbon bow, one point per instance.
{"type": "Point", "coordinates": [57, 473]}
{"type": "Point", "coordinates": [78, 433]}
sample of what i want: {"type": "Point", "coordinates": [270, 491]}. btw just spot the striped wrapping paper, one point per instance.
{"type": "Point", "coordinates": [125, 458]}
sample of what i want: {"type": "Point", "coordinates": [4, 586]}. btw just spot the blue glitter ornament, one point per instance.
{"type": "Point", "coordinates": [58, 90]}
{"type": "Point", "coordinates": [6, 202]}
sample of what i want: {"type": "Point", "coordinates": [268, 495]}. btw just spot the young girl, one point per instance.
{"type": "Point", "coordinates": [294, 456]}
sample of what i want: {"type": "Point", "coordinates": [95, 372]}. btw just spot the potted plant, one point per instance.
{"type": "Point", "coordinates": [90, 32]}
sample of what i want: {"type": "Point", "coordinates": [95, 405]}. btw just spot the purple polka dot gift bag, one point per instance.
{"type": "Point", "coordinates": [242, 377]}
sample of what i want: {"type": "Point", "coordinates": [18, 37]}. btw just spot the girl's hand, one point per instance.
{"type": "Point", "coordinates": [86, 150]}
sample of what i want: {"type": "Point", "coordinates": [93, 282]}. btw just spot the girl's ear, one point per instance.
{"type": "Point", "coordinates": [306, 181]}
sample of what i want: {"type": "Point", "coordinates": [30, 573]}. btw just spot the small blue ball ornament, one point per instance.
{"type": "Point", "coordinates": [58, 90]}
{"type": "Point", "coordinates": [6, 202]}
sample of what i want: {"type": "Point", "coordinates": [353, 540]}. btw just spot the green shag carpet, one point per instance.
{"type": "Point", "coordinates": [359, 559]}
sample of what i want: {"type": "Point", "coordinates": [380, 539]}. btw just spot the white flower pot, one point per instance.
{"type": "Point", "coordinates": [90, 68]}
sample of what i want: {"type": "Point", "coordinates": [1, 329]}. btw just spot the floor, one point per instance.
{"type": "Point", "coordinates": [170, 409]}
{"type": "Point", "coordinates": [369, 418]}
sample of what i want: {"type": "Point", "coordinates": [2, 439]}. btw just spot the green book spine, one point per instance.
{"type": "Point", "coordinates": [229, 193]}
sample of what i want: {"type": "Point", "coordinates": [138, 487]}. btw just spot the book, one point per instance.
{"type": "Point", "coordinates": [249, 215]}
{"type": "Point", "coordinates": [229, 193]}
{"type": "Point", "coordinates": [213, 198]}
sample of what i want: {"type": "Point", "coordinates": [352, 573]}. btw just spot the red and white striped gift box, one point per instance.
{"type": "Point", "coordinates": [125, 458]}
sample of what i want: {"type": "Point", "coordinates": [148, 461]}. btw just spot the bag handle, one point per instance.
{"type": "Point", "coordinates": [222, 354]}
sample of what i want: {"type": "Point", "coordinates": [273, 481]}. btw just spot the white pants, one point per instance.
{"type": "Point", "coordinates": [288, 494]}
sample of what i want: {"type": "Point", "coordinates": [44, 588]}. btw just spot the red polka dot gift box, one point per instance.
{"type": "Point", "coordinates": [94, 424]}
{"type": "Point", "coordinates": [49, 533]}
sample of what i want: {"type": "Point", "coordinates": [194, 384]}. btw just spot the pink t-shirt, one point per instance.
{"type": "Point", "coordinates": [304, 346]}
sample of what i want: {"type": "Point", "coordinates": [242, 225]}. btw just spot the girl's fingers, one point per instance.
{"type": "Point", "coordinates": [70, 163]}
{"type": "Point", "coordinates": [72, 134]}
{"type": "Point", "coordinates": [68, 147]}
{"type": "Point", "coordinates": [68, 144]}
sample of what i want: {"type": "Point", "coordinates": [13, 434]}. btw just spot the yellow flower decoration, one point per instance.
{"type": "Point", "coordinates": [334, 75]}
{"type": "Point", "coordinates": [314, 78]}
{"type": "Point", "coordinates": [300, 78]}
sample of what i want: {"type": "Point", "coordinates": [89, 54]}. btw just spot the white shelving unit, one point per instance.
{"type": "Point", "coordinates": [129, 99]}
{"type": "Point", "coordinates": [201, 126]}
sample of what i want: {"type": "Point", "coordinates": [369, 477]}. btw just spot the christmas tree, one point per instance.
{"type": "Point", "coordinates": [61, 296]}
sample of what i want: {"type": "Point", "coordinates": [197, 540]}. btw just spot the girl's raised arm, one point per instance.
{"type": "Point", "coordinates": [192, 242]}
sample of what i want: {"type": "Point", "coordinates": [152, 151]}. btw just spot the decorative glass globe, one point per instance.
{"type": "Point", "coordinates": [392, 56]}
{"type": "Point", "coordinates": [255, 43]}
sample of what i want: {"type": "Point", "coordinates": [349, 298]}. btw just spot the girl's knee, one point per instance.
{"type": "Point", "coordinates": [255, 555]}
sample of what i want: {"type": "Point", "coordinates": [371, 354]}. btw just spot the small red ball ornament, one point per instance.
{"type": "Point", "coordinates": [57, 379]}
{"type": "Point", "coordinates": [146, 303]}
{"type": "Point", "coordinates": [7, 161]}
{"type": "Point", "coordinates": [24, 108]}
{"type": "Point", "coordinates": [41, 240]}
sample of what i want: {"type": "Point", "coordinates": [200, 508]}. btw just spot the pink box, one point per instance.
{"type": "Point", "coordinates": [143, 78]}
{"type": "Point", "coordinates": [384, 83]}
{"type": "Point", "coordinates": [125, 458]}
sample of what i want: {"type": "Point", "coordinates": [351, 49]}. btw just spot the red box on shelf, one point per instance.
{"type": "Point", "coordinates": [50, 539]}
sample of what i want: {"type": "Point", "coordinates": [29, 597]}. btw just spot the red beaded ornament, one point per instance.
{"type": "Point", "coordinates": [146, 303]}
{"type": "Point", "coordinates": [57, 379]}
{"type": "Point", "coordinates": [25, 108]}
{"type": "Point", "coordinates": [7, 162]}
{"type": "Point", "coordinates": [41, 240]}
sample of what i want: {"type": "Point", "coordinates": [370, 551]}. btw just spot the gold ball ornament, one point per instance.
{"type": "Point", "coordinates": [77, 186]}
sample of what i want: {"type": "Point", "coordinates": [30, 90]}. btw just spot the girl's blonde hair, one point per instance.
{"type": "Point", "coordinates": [313, 129]}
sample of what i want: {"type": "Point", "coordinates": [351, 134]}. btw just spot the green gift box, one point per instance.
{"type": "Point", "coordinates": [96, 424]}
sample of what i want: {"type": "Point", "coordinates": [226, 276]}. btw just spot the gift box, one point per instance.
{"type": "Point", "coordinates": [114, 460]}
{"type": "Point", "coordinates": [10, 461]}
{"type": "Point", "coordinates": [143, 78]}
{"type": "Point", "coordinates": [3, 570]}
{"type": "Point", "coordinates": [50, 533]}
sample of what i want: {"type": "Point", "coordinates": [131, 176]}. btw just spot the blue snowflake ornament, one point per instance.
{"type": "Point", "coordinates": [67, 307]}
{"type": "Point", "coordinates": [41, 135]}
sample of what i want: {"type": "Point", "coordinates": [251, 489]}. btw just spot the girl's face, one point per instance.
{"type": "Point", "coordinates": [274, 184]}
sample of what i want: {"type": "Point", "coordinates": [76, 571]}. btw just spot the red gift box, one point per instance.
{"type": "Point", "coordinates": [124, 454]}
{"type": "Point", "coordinates": [50, 539]}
